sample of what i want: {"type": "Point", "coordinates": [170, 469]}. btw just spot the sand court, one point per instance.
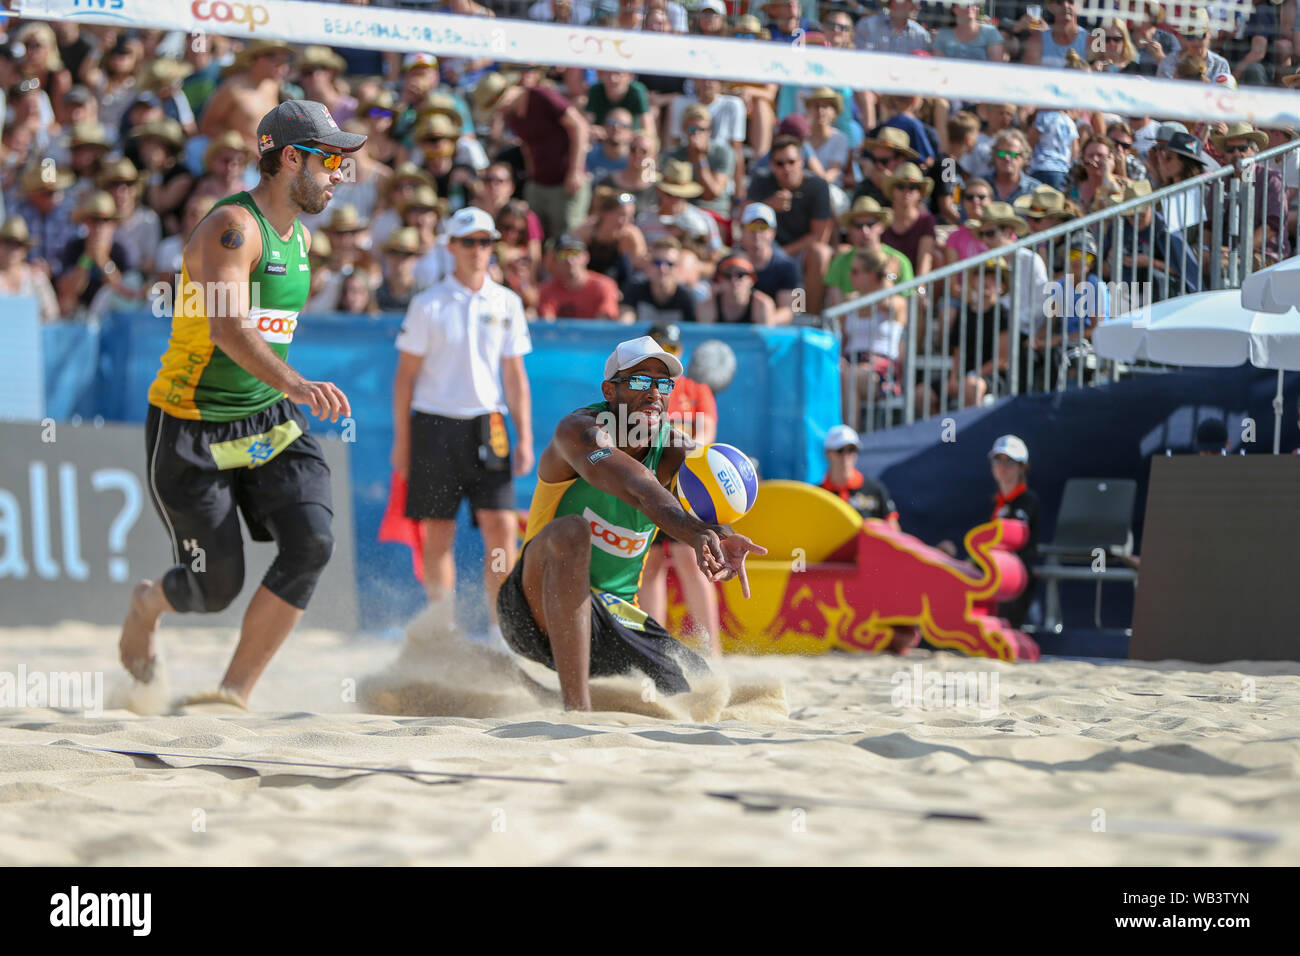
{"type": "Point", "coordinates": [796, 760]}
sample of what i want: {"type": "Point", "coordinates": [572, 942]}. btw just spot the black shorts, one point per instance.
{"type": "Point", "coordinates": [620, 642]}
{"type": "Point", "coordinates": [447, 465]}
{"type": "Point", "coordinates": [200, 472]}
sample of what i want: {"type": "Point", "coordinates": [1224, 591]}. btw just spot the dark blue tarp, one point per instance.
{"type": "Point", "coordinates": [943, 488]}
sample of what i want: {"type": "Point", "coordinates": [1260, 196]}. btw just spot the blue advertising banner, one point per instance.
{"type": "Point", "coordinates": [778, 408]}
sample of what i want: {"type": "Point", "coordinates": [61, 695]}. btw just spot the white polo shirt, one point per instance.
{"type": "Point", "coordinates": [463, 336]}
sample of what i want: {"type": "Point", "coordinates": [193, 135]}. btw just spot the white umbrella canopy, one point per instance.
{"type": "Point", "coordinates": [1275, 289]}
{"type": "Point", "coordinates": [1206, 329]}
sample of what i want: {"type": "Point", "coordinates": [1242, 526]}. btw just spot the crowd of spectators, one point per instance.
{"type": "Point", "coordinates": [631, 197]}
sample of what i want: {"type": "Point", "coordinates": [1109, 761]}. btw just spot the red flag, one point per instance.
{"type": "Point", "coordinates": [398, 528]}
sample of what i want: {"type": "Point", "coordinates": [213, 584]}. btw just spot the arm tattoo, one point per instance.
{"type": "Point", "coordinates": [233, 237]}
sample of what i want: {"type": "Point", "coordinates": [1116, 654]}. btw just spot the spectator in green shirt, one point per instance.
{"type": "Point", "coordinates": [863, 223]}
{"type": "Point", "coordinates": [616, 89]}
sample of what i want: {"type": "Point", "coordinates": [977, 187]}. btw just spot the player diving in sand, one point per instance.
{"type": "Point", "coordinates": [224, 431]}
{"type": "Point", "coordinates": [569, 602]}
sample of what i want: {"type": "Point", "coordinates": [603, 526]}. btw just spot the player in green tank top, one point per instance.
{"type": "Point", "coordinates": [602, 490]}
{"type": "Point", "coordinates": [280, 282]}
{"type": "Point", "coordinates": [224, 434]}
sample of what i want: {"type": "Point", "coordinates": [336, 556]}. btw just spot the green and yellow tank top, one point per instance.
{"type": "Point", "coordinates": [620, 535]}
{"type": "Point", "coordinates": [199, 381]}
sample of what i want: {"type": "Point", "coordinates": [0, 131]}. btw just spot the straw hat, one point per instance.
{"type": "Point", "coordinates": [96, 205]}
{"type": "Point", "coordinates": [1136, 189]}
{"type": "Point", "coordinates": [891, 137]}
{"type": "Point", "coordinates": [748, 23]}
{"type": "Point", "coordinates": [255, 48]}
{"type": "Point", "coordinates": [1003, 215]}
{"type": "Point", "coordinates": [1240, 131]}
{"type": "Point", "coordinates": [321, 248]}
{"type": "Point", "coordinates": [908, 173]}
{"type": "Point", "coordinates": [405, 239]}
{"type": "Point", "coordinates": [40, 177]}
{"type": "Point", "coordinates": [1044, 201]}
{"type": "Point", "coordinates": [383, 100]}
{"type": "Point", "coordinates": [678, 179]}
{"type": "Point", "coordinates": [320, 58]}
{"type": "Point", "coordinates": [164, 72]}
{"type": "Point", "coordinates": [992, 265]}
{"type": "Point", "coordinates": [89, 134]}
{"type": "Point", "coordinates": [167, 131]}
{"type": "Point", "coordinates": [1292, 79]}
{"type": "Point", "coordinates": [489, 91]}
{"type": "Point", "coordinates": [435, 126]}
{"type": "Point", "coordinates": [442, 103]}
{"type": "Point", "coordinates": [118, 171]}
{"type": "Point", "coordinates": [345, 219]}
{"type": "Point", "coordinates": [227, 140]}
{"type": "Point", "coordinates": [424, 197]}
{"type": "Point", "coordinates": [824, 94]}
{"type": "Point", "coordinates": [15, 230]}
{"type": "Point", "coordinates": [866, 206]}
{"type": "Point", "coordinates": [409, 173]}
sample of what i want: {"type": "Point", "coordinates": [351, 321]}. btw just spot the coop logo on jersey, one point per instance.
{"type": "Point", "coordinates": [615, 540]}
{"type": "Point", "coordinates": [274, 325]}
{"type": "Point", "coordinates": [253, 14]}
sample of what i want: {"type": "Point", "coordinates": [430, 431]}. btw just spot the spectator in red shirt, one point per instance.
{"type": "Point", "coordinates": [868, 498]}
{"type": "Point", "coordinates": [575, 292]}
{"type": "Point", "coordinates": [555, 142]}
{"type": "Point", "coordinates": [693, 410]}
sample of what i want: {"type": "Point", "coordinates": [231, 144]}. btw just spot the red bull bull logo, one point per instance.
{"type": "Point", "coordinates": [874, 590]}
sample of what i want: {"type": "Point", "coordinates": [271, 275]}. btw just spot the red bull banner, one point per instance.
{"type": "Point", "coordinates": [860, 586]}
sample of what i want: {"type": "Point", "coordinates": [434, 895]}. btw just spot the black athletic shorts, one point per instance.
{"type": "Point", "coordinates": [199, 473]}
{"type": "Point", "coordinates": [623, 637]}
{"type": "Point", "coordinates": [450, 460]}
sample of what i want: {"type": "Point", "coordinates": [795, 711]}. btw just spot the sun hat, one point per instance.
{"type": "Point", "coordinates": [677, 179]}
{"type": "Point", "coordinates": [908, 173]}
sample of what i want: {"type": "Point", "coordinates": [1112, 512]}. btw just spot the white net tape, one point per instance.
{"type": "Point", "coordinates": [345, 25]}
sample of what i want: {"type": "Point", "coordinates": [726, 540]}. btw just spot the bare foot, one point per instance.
{"type": "Point", "coordinates": [136, 647]}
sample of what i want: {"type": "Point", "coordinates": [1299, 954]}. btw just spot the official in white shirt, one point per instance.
{"type": "Point", "coordinates": [460, 368]}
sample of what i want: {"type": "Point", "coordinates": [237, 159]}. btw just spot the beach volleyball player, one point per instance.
{"type": "Point", "coordinates": [602, 489]}
{"type": "Point", "coordinates": [224, 430]}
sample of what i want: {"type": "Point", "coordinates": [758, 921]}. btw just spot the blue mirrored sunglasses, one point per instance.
{"type": "Point", "coordinates": [641, 383]}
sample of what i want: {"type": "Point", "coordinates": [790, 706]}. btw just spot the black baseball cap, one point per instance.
{"type": "Point", "coordinates": [1211, 435]}
{"type": "Point", "coordinates": [303, 121]}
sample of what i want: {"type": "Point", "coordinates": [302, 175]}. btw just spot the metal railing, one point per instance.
{"type": "Point", "coordinates": [1195, 235]}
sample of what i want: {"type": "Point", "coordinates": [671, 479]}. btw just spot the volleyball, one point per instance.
{"type": "Point", "coordinates": [719, 485]}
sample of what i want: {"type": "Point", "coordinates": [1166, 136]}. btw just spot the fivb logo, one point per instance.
{"type": "Point", "coordinates": [103, 909]}
{"type": "Point", "coordinates": [613, 539]}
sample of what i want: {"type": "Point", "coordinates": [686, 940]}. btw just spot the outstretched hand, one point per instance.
{"type": "Point", "coordinates": [734, 549]}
